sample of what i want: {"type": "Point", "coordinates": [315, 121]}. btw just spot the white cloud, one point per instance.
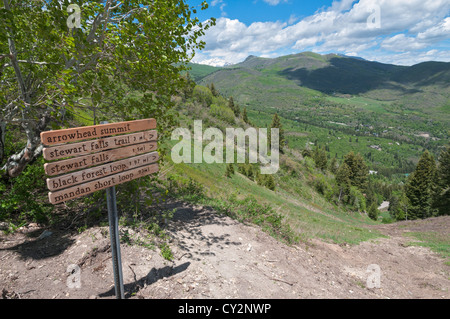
{"type": "Point", "coordinates": [410, 57]}
{"type": "Point", "coordinates": [222, 6]}
{"type": "Point", "coordinates": [406, 26]}
{"type": "Point", "coordinates": [292, 19]}
{"type": "Point", "coordinates": [274, 2]}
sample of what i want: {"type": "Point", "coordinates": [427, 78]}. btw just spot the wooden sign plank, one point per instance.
{"type": "Point", "coordinates": [95, 131]}
{"type": "Point", "coordinates": [94, 146]}
{"type": "Point", "coordinates": [99, 184]}
{"type": "Point", "coordinates": [90, 174]}
{"type": "Point", "coordinates": [77, 163]}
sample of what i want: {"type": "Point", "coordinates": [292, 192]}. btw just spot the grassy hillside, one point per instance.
{"type": "Point", "coordinates": [305, 212]}
{"type": "Point", "coordinates": [199, 71]}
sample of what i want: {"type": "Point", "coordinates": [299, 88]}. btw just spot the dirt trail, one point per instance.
{"type": "Point", "coordinates": [217, 257]}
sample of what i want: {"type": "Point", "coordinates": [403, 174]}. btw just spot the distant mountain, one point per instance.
{"type": "Point", "coordinates": [351, 56]}
{"type": "Point", "coordinates": [333, 73]}
{"type": "Point", "coordinates": [199, 71]}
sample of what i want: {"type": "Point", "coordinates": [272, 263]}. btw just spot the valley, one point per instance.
{"type": "Point", "coordinates": [345, 103]}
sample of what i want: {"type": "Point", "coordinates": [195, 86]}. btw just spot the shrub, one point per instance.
{"type": "Point", "coordinates": [24, 198]}
{"type": "Point", "coordinates": [203, 95]}
{"type": "Point", "coordinates": [249, 210]}
{"type": "Point", "coordinates": [185, 187]}
{"type": "Point", "coordinates": [321, 185]}
{"type": "Point", "coordinates": [357, 199]}
{"type": "Point", "coordinates": [222, 112]}
{"type": "Point", "coordinates": [230, 170]}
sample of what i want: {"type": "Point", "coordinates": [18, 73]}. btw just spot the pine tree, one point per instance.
{"type": "Point", "coordinates": [213, 90]}
{"type": "Point", "coordinates": [244, 116]}
{"type": "Point", "coordinates": [359, 171]}
{"type": "Point", "coordinates": [233, 106]}
{"type": "Point", "coordinates": [270, 182]}
{"type": "Point", "coordinates": [333, 165]}
{"type": "Point", "coordinates": [237, 110]}
{"type": "Point", "coordinates": [441, 200]}
{"type": "Point", "coordinates": [276, 123]}
{"type": "Point", "coordinates": [373, 211]}
{"type": "Point", "coordinates": [188, 89]}
{"type": "Point", "coordinates": [320, 158]}
{"type": "Point", "coordinates": [420, 187]}
{"type": "Point", "coordinates": [230, 170]}
{"type": "Point", "coordinates": [343, 179]}
{"type": "Point", "coordinates": [231, 103]}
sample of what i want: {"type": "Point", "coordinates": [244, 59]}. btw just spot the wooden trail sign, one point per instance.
{"type": "Point", "coordinates": [87, 175]}
{"type": "Point", "coordinates": [77, 163]}
{"type": "Point", "coordinates": [102, 183]}
{"type": "Point", "coordinates": [93, 146]}
{"type": "Point", "coordinates": [108, 155]}
{"type": "Point", "coordinates": [96, 131]}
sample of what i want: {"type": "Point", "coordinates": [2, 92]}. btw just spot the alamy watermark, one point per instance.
{"type": "Point", "coordinates": [257, 150]}
{"type": "Point", "coordinates": [374, 19]}
{"type": "Point", "coordinates": [74, 278]}
{"type": "Point", "coordinates": [374, 278]}
{"type": "Point", "coordinates": [74, 20]}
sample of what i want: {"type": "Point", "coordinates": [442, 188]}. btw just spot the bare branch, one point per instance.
{"type": "Point", "coordinates": [98, 20]}
{"type": "Point", "coordinates": [13, 56]}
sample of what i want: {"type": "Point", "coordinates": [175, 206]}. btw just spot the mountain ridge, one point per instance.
{"type": "Point", "coordinates": [347, 75]}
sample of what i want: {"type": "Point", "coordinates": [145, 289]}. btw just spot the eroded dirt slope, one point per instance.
{"type": "Point", "coordinates": [217, 257]}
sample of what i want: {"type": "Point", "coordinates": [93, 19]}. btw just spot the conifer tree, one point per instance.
{"type": "Point", "coordinates": [276, 123]}
{"type": "Point", "coordinates": [420, 187]}
{"type": "Point", "coordinates": [213, 90]}
{"type": "Point", "coordinates": [359, 171]}
{"type": "Point", "coordinates": [270, 182]}
{"type": "Point", "coordinates": [230, 170]}
{"type": "Point", "coordinates": [441, 199]}
{"type": "Point", "coordinates": [373, 211]}
{"type": "Point", "coordinates": [237, 110]}
{"type": "Point", "coordinates": [244, 116]}
{"type": "Point", "coordinates": [320, 158]}
{"type": "Point", "coordinates": [233, 106]}
{"type": "Point", "coordinates": [343, 179]}
{"type": "Point", "coordinates": [333, 165]}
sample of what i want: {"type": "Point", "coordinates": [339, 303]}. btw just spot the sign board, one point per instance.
{"type": "Point", "coordinates": [91, 158]}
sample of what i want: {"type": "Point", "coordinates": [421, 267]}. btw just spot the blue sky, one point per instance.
{"type": "Point", "coordinates": [403, 32]}
{"type": "Point", "coordinates": [259, 10]}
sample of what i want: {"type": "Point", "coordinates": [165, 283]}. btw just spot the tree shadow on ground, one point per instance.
{"type": "Point", "coordinates": [44, 244]}
{"type": "Point", "coordinates": [153, 276]}
{"type": "Point", "coordinates": [192, 241]}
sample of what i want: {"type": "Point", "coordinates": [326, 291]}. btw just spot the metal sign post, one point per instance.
{"type": "Point", "coordinates": [87, 159]}
{"type": "Point", "coordinates": [113, 218]}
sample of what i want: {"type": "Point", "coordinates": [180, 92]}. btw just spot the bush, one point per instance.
{"type": "Point", "coordinates": [230, 170]}
{"type": "Point", "coordinates": [321, 185]}
{"type": "Point", "coordinates": [247, 170]}
{"type": "Point", "coordinates": [249, 210]}
{"type": "Point", "coordinates": [24, 198]}
{"type": "Point", "coordinates": [222, 112]}
{"type": "Point", "coordinates": [203, 95]}
{"type": "Point", "coordinates": [265, 180]}
{"type": "Point", "coordinates": [357, 199]}
{"type": "Point", "coordinates": [186, 188]}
